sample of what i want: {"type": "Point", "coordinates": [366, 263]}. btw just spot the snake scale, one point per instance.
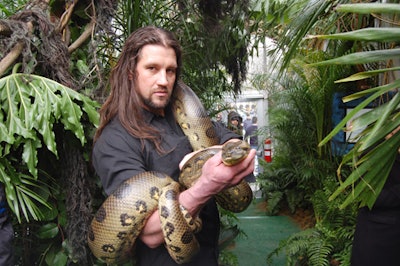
{"type": "Point", "coordinates": [122, 216]}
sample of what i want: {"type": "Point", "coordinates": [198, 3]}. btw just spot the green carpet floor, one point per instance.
{"type": "Point", "coordinates": [263, 236]}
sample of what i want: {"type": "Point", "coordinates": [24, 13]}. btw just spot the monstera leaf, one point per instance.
{"type": "Point", "coordinates": [29, 106]}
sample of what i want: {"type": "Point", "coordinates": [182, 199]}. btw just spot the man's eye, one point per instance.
{"type": "Point", "coordinates": [172, 71]}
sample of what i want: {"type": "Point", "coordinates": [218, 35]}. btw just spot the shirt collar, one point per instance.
{"type": "Point", "coordinates": [149, 116]}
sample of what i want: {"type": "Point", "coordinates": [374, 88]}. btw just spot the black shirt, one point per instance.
{"type": "Point", "coordinates": [118, 156]}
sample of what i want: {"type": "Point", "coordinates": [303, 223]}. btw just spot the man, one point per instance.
{"type": "Point", "coordinates": [251, 133]}
{"type": "Point", "coordinates": [138, 133]}
{"type": "Point", "coordinates": [252, 137]}
{"type": "Point", "coordinates": [247, 122]}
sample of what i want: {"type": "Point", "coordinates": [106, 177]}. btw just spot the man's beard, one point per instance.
{"type": "Point", "coordinates": [153, 106]}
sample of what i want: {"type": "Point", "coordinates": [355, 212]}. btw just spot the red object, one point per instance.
{"type": "Point", "coordinates": [267, 150]}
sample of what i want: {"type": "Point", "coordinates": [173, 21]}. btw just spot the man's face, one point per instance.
{"type": "Point", "coordinates": [156, 74]}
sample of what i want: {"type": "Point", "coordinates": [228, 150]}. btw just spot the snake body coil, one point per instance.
{"type": "Point", "coordinates": [122, 216]}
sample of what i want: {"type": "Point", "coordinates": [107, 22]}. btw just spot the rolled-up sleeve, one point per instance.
{"type": "Point", "coordinates": [224, 133]}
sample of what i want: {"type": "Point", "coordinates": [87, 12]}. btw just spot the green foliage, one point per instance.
{"type": "Point", "coordinates": [301, 174]}
{"type": "Point", "coordinates": [373, 155]}
{"type": "Point", "coordinates": [9, 7]}
{"type": "Point", "coordinates": [306, 248]}
{"type": "Point", "coordinates": [227, 258]}
{"type": "Point", "coordinates": [299, 118]}
{"type": "Point", "coordinates": [278, 183]}
{"type": "Point", "coordinates": [331, 238]}
{"type": "Point", "coordinates": [370, 8]}
{"type": "Point", "coordinates": [229, 231]}
{"type": "Point", "coordinates": [335, 203]}
{"type": "Point", "coordinates": [47, 234]}
{"type": "Point", "coordinates": [30, 106]}
{"type": "Point", "coordinates": [308, 14]}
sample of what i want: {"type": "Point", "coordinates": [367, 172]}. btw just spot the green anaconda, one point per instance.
{"type": "Point", "coordinates": [122, 216]}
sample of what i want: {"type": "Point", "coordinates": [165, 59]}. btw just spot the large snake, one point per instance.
{"type": "Point", "coordinates": [122, 216]}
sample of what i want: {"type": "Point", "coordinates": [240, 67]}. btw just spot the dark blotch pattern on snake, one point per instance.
{"type": "Point", "coordinates": [101, 215]}
{"type": "Point", "coordinates": [122, 216]}
{"type": "Point", "coordinates": [126, 220]}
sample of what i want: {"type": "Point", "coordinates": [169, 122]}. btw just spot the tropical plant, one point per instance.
{"type": "Point", "coordinates": [229, 231]}
{"type": "Point", "coordinates": [298, 112]}
{"type": "Point", "coordinates": [374, 153]}
{"type": "Point", "coordinates": [371, 52]}
{"type": "Point", "coordinates": [37, 111]}
{"type": "Point", "coordinates": [46, 130]}
{"type": "Point", "coordinates": [33, 105]}
{"type": "Point", "coordinates": [329, 242]}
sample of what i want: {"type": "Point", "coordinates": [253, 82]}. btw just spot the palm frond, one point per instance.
{"type": "Point", "coordinates": [373, 155]}
{"type": "Point", "coordinates": [307, 18]}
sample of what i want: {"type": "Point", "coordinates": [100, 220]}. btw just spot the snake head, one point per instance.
{"type": "Point", "coordinates": [233, 152]}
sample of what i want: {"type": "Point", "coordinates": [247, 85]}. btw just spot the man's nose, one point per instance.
{"type": "Point", "coordinates": [163, 78]}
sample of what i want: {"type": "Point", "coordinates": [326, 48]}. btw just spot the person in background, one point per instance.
{"type": "Point", "coordinates": [377, 235]}
{"type": "Point", "coordinates": [6, 232]}
{"type": "Point", "coordinates": [251, 133]}
{"type": "Point", "coordinates": [138, 133]}
{"type": "Point", "coordinates": [251, 136]}
{"type": "Point", "coordinates": [247, 122]}
{"type": "Point", "coordinates": [235, 123]}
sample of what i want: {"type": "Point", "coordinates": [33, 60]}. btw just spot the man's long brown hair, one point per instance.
{"type": "Point", "coordinates": [123, 100]}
